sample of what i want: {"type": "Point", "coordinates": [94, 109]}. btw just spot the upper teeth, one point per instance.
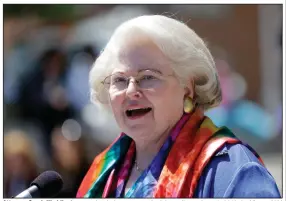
{"type": "Point", "coordinates": [137, 109]}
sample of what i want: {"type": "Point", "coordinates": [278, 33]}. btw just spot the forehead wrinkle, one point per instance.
{"type": "Point", "coordinates": [137, 65]}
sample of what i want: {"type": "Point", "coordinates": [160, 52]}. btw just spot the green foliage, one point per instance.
{"type": "Point", "coordinates": [45, 11]}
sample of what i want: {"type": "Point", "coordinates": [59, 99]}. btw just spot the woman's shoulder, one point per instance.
{"type": "Point", "coordinates": [234, 171]}
{"type": "Point", "coordinates": [236, 154]}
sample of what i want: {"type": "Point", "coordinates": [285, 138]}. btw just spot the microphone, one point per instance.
{"type": "Point", "coordinates": [48, 184]}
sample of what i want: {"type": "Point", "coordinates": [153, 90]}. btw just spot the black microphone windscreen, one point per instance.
{"type": "Point", "coordinates": [49, 183]}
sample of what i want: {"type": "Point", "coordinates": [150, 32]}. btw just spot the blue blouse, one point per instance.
{"type": "Point", "coordinates": [234, 172]}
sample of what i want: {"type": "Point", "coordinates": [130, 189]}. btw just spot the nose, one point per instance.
{"type": "Point", "coordinates": [132, 90]}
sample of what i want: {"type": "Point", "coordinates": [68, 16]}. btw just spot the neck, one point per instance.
{"type": "Point", "coordinates": [146, 149]}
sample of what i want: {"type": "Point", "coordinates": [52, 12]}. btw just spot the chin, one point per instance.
{"type": "Point", "coordinates": [137, 130]}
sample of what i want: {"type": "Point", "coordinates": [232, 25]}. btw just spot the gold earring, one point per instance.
{"type": "Point", "coordinates": [188, 105]}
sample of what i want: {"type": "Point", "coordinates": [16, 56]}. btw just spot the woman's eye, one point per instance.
{"type": "Point", "coordinates": [148, 77]}
{"type": "Point", "coordinates": [119, 79]}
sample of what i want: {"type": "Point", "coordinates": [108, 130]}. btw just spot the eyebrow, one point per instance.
{"type": "Point", "coordinates": [155, 70]}
{"type": "Point", "coordinates": [141, 70]}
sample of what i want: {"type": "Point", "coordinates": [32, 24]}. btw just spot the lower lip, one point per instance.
{"type": "Point", "coordinates": [138, 116]}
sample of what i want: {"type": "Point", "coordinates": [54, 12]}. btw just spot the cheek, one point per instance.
{"type": "Point", "coordinates": [116, 101]}
{"type": "Point", "coordinates": [168, 103]}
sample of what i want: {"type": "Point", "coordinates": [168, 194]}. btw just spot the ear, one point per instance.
{"type": "Point", "coordinates": [189, 89]}
{"type": "Point", "coordinates": [189, 92]}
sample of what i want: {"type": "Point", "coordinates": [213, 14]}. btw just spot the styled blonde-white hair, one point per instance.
{"type": "Point", "coordinates": [189, 56]}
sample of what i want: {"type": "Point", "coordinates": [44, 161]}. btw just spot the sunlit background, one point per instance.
{"type": "Point", "coordinates": [49, 122]}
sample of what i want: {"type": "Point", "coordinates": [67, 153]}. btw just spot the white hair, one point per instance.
{"type": "Point", "coordinates": [190, 58]}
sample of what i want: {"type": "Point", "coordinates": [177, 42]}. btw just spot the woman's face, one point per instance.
{"type": "Point", "coordinates": [150, 108]}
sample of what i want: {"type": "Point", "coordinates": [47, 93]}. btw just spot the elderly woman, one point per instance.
{"type": "Point", "coordinates": [158, 77]}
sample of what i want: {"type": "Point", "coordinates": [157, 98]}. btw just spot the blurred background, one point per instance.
{"type": "Point", "coordinates": [49, 122]}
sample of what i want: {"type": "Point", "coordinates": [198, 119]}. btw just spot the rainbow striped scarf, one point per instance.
{"type": "Point", "coordinates": [173, 173]}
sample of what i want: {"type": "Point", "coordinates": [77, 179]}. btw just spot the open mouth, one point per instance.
{"type": "Point", "coordinates": [138, 112]}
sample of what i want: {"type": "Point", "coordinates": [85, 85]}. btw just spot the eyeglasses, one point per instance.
{"type": "Point", "coordinates": [146, 79]}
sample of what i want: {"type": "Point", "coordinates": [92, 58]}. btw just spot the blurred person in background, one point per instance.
{"type": "Point", "coordinates": [157, 77]}
{"type": "Point", "coordinates": [234, 108]}
{"type": "Point", "coordinates": [20, 167]}
{"type": "Point", "coordinates": [69, 159]}
{"type": "Point", "coordinates": [43, 97]}
{"type": "Point", "coordinates": [77, 74]}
